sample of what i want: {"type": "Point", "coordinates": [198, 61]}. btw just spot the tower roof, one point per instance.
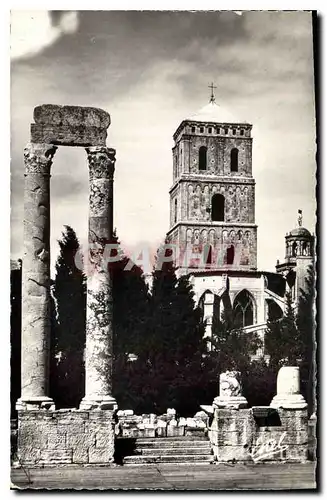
{"type": "Point", "coordinates": [212, 112]}
{"type": "Point", "coordinates": [300, 231]}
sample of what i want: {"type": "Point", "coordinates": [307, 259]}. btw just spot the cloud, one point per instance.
{"type": "Point", "coordinates": [32, 31]}
{"type": "Point", "coordinates": [152, 69]}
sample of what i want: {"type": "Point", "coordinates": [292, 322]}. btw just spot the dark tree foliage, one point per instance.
{"type": "Point", "coordinates": [68, 339]}
{"type": "Point", "coordinates": [130, 316]}
{"type": "Point", "coordinates": [259, 383]}
{"type": "Point", "coordinates": [15, 336]}
{"type": "Point", "coordinates": [169, 369]}
{"type": "Point", "coordinates": [282, 340]}
{"type": "Point", "coordinates": [305, 322]}
{"type": "Point", "coordinates": [231, 349]}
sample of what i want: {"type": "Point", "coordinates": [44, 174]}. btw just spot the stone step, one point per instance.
{"type": "Point", "coordinates": [171, 442]}
{"type": "Point", "coordinates": [203, 450]}
{"type": "Point", "coordinates": [180, 459]}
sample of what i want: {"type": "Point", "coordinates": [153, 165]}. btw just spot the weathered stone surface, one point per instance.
{"type": "Point", "coordinates": [56, 456]}
{"type": "Point", "coordinates": [80, 455]}
{"type": "Point", "coordinates": [68, 136]}
{"type": "Point", "coordinates": [232, 453]}
{"type": "Point", "coordinates": [44, 441]}
{"type": "Point", "coordinates": [75, 116]}
{"type": "Point", "coordinates": [98, 353]}
{"type": "Point", "coordinates": [174, 431]}
{"type": "Point", "coordinates": [100, 455]}
{"type": "Point", "coordinates": [288, 389]}
{"type": "Point", "coordinates": [149, 431]}
{"type": "Point", "coordinates": [36, 276]}
{"type": "Point", "coordinates": [194, 431]}
{"type": "Point", "coordinates": [230, 391]}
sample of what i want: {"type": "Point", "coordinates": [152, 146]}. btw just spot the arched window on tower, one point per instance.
{"type": "Point", "coordinates": [234, 160]}
{"type": "Point", "coordinates": [175, 210]}
{"type": "Point", "coordinates": [203, 158]}
{"type": "Point", "coordinates": [207, 255]}
{"type": "Point", "coordinates": [230, 255]}
{"type": "Point", "coordinates": [294, 249]}
{"type": "Point", "coordinates": [218, 207]}
{"type": "Point", "coordinates": [243, 310]}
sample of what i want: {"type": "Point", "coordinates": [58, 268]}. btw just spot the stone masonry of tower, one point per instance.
{"type": "Point", "coordinates": [192, 221]}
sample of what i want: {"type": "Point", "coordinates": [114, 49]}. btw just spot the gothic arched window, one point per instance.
{"type": "Point", "coordinates": [234, 160]}
{"type": "Point", "coordinates": [218, 207]}
{"type": "Point", "coordinates": [243, 310]}
{"type": "Point", "coordinates": [203, 158]}
{"type": "Point", "coordinates": [175, 210]}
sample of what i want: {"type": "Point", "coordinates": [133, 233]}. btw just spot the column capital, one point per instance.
{"type": "Point", "coordinates": [101, 162]}
{"type": "Point", "coordinates": [38, 158]}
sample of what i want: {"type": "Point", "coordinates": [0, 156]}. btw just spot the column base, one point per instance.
{"type": "Point", "coordinates": [98, 403]}
{"type": "Point", "coordinates": [234, 402]}
{"type": "Point", "coordinates": [290, 401]}
{"type": "Point", "coordinates": [35, 403]}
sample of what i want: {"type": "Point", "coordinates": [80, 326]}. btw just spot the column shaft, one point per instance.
{"type": "Point", "coordinates": [98, 353]}
{"type": "Point", "coordinates": [36, 276]}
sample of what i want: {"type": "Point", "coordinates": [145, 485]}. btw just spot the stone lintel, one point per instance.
{"type": "Point", "coordinates": [75, 116]}
{"type": "Point", "coordinates": [68, 135]}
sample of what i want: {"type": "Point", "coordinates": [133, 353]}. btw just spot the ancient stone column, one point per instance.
{"type": "Point", "coordinates": [288, 389]}
{"type": "Point", "coordinates": [98, 352]}
{"type": "Point", "coordinates": [36, 278]}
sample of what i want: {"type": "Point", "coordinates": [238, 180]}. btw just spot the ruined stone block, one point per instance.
{"type": "Point", "coordinates": [175, 431]}
{"type": "Point", "coordinates": [101, 439]}
{"type": "Point", "coordinates": [65, 135]}
{"type": "Point", "coordinates": [161, 431]}
{"type": "Point", "coordinates": [80, 440]}
{"type": "Point", "coordinates": [56, 456]}
{"type": "Point", "coordinates": [232, 454]}
{"type": "Point", "coordinates": [56, 440]}
{"type": "Point", "coordinates": [194, 431]}
{"type": "Point", "coordinates": [101, 455]}
{"type": "Point", "coordinates": [132, 432]}
{"type": "Point", "coordinates": [80, 455]}
{"type": "Point", "coordinates": [53, 114]}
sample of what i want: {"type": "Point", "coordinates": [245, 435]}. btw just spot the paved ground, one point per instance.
{"type": "Point", "coordinates": [171, 477]}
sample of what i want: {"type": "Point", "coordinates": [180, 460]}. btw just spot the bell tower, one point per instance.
{"type": "Point", "coordinates": [212, 199]}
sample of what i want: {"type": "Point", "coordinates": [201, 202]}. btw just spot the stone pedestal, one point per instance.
{"type": "Point", "coordinates": [48, 438]}
{"type": "Point", "coordinates": [98, 353]}
{"type": "Point", "coordinates": [36, 278]}
{"type": "Point", "coordinates": [230, 391]}
{"type": "Point", "coordinates": [288, 389]}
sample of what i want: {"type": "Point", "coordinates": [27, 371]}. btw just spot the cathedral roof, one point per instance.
{"type": "Point", "coordinates": [212, 112]}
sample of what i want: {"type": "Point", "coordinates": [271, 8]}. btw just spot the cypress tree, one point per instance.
{"type": "Point", "coordinates": [69, 292]}
{"type": "Point", "coordinates": [306, 327]}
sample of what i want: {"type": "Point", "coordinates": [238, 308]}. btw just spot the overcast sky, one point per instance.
{"type": "Point", "coordinates": [150, 70]}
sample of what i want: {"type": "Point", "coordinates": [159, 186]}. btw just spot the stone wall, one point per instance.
{"type": "Point", "coordinates": [240, 435]}
{"type": "Point", "coordinates": [186, 154]}
{"type": "Point", "coordinates": [65, 437]}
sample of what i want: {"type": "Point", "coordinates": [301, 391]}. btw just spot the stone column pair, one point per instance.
{"type": "Point", "coordinates": [36, 280]}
